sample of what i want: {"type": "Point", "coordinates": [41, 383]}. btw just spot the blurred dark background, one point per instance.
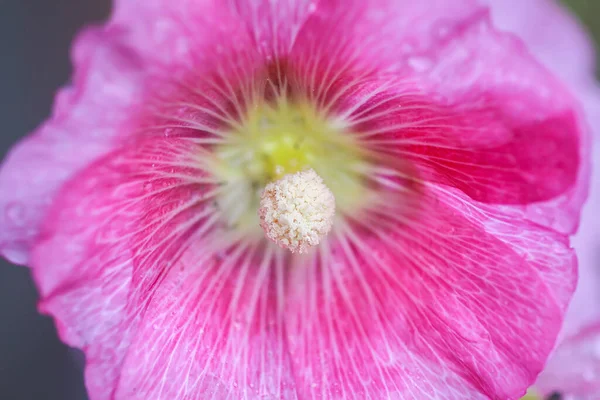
{"type": "Point", "coordinates": [35, 36]}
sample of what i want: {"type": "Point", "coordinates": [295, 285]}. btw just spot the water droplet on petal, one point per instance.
{"type": "Point", "coordinates": [419, 63]}
{"type": "Point", "coordinates": [406, 48]}
{"type": "Point", "coordinates": [17, 253]}
{"type": "Point", "coordinates": [312, 7]}
{"type": "Point", "coordinates": [596, 349]}
{"type": "Point", "coordinates": [442, 29]}
{"type": "Point", "coordinates": [589, 376]}
{"type": "Point", "coordinates": [15, 213]}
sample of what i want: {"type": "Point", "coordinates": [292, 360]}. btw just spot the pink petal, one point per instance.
{"type": "Point", "coordinates": [461, 302]}
{"type": "Point", "coordinates": [170, 33]}
{"type": "Point", "coordinates": [86, 122]}
{"type": "Point", "coordinates": [274, 25]}
{"type": "Point", "coordinates": [115, 71]}
{"type": "Point", "coordinates": [84, 260]}
{"type": "Point", "coordinates": [166, 32]}
{"type": "Point", "coordinates": [465, 102]}
{"type": "Point", "coordinates": [585, 305]}
{"type": "Point", "coordinates": [203, 60]}
{"type": "Point", "coordinates": [213, 330]}
{"type": "Point", "coordinates": [574, 369]}
{"type": "Point", "coordinates": [557, 39]}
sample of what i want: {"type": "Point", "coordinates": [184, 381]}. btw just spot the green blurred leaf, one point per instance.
{"type": "Point", "coordinates": [589, 13]}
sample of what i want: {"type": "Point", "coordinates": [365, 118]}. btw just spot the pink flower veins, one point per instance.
{"type": "Point", "coordinates": [452, 280]}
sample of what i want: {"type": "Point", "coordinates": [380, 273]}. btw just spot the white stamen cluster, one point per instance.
{"type": "Point", "coordinates": [297, 211]}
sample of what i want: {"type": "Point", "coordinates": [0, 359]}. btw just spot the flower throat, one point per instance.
{"type": "Point", "coordinates": [279, 137]}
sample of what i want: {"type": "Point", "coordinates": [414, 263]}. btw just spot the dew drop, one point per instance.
{"type": "Point", "coordinates": [406, 48]}
{"type": "Point", "coordinates": [419, 63]}
{"type": "Point", "coordinates": [596, 349]}
{"type": "Point", "coordinates": [442, 30]}
{"type": "Point", "coordinates": [312, 7]}
{"type": "Point", "coordinates": [17, 253]}
{"type": "Point", "coordinates": [15, 213]}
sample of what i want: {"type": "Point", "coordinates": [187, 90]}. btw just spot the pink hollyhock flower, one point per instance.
{"type": "Point", "coordinates": [573, 372]}
{"type": "Point", "coordinates": [457, 164]}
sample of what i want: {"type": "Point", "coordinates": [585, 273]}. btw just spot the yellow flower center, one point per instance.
{"type": "Point", "coordinates": [278, 138]}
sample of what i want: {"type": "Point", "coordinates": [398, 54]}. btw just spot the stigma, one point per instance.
{"type": "Point", "coordinates": [297, 211]}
